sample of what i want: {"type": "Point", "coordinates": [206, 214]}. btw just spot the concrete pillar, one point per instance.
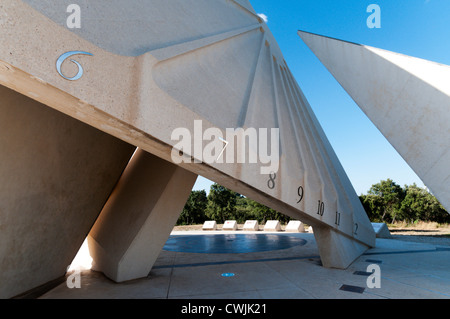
{"type": "Point", "coordinates": [138, 217]}
{"type": "Point", "coordinates": [337, 250]}
{"type": "Point", "coordinates": [56, 174]}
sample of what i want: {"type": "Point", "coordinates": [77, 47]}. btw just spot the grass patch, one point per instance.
{"type": "Point", "coordinates": [418, 225]}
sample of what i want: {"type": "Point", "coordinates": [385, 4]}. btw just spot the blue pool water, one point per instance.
{"type": "Point", "coordinates": [231, 243]}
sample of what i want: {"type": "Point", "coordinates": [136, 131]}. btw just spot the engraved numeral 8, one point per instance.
{"type": "Point", "coordinates": [271, 181]}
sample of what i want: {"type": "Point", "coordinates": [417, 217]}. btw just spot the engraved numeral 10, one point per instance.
{"type": "Point", "coordinates": [320, 208]}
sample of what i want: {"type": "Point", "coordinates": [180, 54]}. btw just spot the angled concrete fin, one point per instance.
{"type": "Point", "coordinates": [407, 98]}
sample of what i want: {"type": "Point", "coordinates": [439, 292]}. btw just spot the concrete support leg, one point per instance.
{"type": "Point", "coordinates": [337, 250]}
{"type": "Point", "coordinates": [139, 216]}
{"type": "Point", "coordinates": [56, 174]}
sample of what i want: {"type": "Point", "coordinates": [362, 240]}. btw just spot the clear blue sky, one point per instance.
{"type": "Point", "coordinates": [419, 28]}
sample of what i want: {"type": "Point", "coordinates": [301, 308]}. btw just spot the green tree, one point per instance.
{"type": "Point", "coordinates": [388, 202]}
{"type": "Point", "coordinates": [373, 206]}
{"type": "Point", "coordinates": [419, 204]}
{"type": "Point", "coordinates": [194, 209]}
{"type": "Point", "coordinates": [391, 195]}
{"type": "Point", "coordinates": [243, 209]}
{"type": "Point", "coordinates": [263, 213]}
{"type": "Point", "coordinates": [221, 203]}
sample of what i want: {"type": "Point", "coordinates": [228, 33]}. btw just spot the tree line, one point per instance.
{"type": "Point", "coordinates": [223, 204]}
{"type": "Point", "coordinates": [389, 202]}
{"type": "Point", "coordinates": [385, 202]}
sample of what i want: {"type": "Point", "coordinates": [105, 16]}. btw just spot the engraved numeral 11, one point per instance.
{"type": "Point", "coordinates": [338, 219]}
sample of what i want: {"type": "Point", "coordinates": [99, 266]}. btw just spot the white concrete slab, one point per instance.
{"type": "Point", "coordinates": [272, 225]}
{"type": "Point", "coordinates": [209, 225]}
{"type": "Point", "coordinates": [381, 230]}
{"type": "Point", "coordinates": [295, 226]}
{"type": "Point", "coordinates": [230, 225]}
{"type": "Point", "coordinates": [251, 225]}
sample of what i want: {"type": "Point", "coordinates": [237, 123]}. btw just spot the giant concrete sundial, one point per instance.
{"type": "Point", "coordinates": [106, 128]}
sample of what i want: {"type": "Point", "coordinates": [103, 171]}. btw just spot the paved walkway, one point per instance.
{"type": "Point", "coordinates": [291, 270]}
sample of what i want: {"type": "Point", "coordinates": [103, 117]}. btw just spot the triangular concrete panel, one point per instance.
{"type": "Point", "coordinates": [407, 98]}
{"type": "Point", "coordinates": [381, 230]}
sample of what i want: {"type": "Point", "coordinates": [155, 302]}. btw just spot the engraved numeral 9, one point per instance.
{"type": "Point", "coordinates": [300, 193]}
